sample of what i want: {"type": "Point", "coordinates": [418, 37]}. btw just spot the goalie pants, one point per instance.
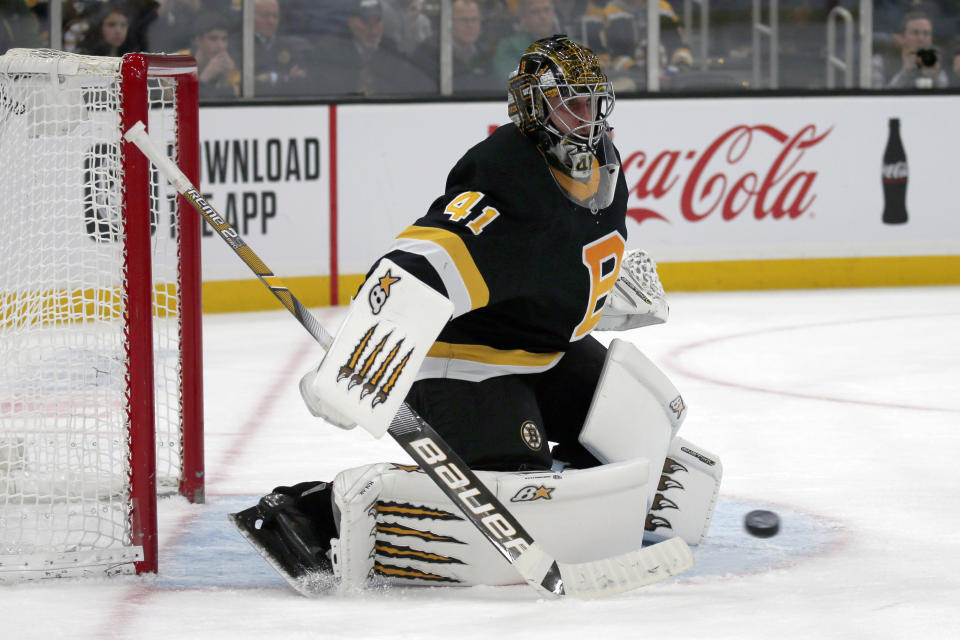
{"type": "Point", "coordinates": [506, 423]}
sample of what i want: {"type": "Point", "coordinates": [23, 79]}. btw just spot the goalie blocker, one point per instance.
{"type": "Point", "coordinates": [367, 372]}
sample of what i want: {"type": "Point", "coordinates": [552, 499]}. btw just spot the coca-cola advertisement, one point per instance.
{"type": "Point", "coordinates": [755, 170]}
{"type": "Point", "coordinates": [710, 179]}
{"type": "Point", "coordinates": [772, 178]}
{"type": "Point", "coordinates": [894, 177]}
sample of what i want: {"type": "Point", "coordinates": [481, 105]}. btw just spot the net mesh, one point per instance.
{"type": "Point", "coordinates": [166, 302]}
{"type": "Point", "coordinates": [64, 373]}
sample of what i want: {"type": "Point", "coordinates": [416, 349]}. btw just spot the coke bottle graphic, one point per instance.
{"type": "Point", "coordinates": [895, 175]}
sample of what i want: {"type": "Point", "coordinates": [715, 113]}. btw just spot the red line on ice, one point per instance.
{"type": "Point", "coordinates": [129, 605]}
{"type": "Point", "coordinates": [673, 362]}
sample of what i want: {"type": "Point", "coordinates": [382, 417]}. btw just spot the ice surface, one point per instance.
{"type": "Point", "coordinates": [839, 409]}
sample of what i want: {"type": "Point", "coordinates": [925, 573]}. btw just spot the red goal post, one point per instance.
{"type": "Point", "coordinates": [101, 393]}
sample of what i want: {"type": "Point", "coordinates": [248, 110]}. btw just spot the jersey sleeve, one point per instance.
{"type": "Point", "coordinates": [478, 248]}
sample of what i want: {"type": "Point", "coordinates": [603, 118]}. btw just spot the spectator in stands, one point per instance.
{"type": "Point", "coordinates": [365, 62]}
{"type": "Point", "coordinates": [281, 61]}
{"type": "Point", "coordinates": [616, 31]}
{"type": "Point", "coordinates": [406, 24]}
{"type": "Point", "coordinates": [170, 26]}
{"type": "Point", "coordinates": [921, 65]}
{"type": "Point", "coordinates": [888, 17]}
{"type": "Point", "coordinates": [536, 19]}
{"type": "Point", "coordinates": [471, 63]}
{"type": "Point", "coordinates": [109, 33]}
{"type": "Point", "coordinates": [568, 14]}
{"type": "Point", "coordinates": [218, 74]}
{"type": "Point", "coordinates": [77, 17]}
{"type": "Point", "coordinates": [140, 14]}
{"type": "Point", "coordinates": [498, 22]}
{"type": "Point", "coordinates": [314, 18]}
{"type": "Point", "coordinates": [955, 65]}
{"type": "Point", "coordinates": [18, 26]}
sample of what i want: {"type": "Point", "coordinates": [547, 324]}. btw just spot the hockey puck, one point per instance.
{"type": "Point", "coordinates": [761, 523]}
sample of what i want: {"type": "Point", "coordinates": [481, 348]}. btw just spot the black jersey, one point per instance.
{"type": "Point", "coordinates": [526, 268]}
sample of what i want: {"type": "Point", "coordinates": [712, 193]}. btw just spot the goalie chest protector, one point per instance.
{"type": "Point", "coordinates": [535, 266]}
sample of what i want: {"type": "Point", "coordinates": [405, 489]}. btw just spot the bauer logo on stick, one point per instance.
{"type": "Point", "coordinates": [380, 293]}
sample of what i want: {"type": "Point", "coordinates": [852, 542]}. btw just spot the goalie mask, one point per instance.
{"type": "Point", "coordinates": [560, 96]}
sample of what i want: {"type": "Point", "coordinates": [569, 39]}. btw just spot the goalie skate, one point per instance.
{"type": "Point", "coordinates": [288, 548]}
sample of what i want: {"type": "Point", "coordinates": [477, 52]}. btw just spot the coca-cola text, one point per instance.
{"type": "Point", "coordinates": [716, 181]}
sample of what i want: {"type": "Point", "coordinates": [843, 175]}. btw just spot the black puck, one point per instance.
{"type": "Point", "coordinates": [761, 523]}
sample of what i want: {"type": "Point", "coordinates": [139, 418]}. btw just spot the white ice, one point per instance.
{"type": "Point", "coordinates": [840, 407]}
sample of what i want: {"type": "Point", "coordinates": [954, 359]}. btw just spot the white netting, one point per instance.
{"type": "Point", "coordinates": [166, 277]}
{"type": "Point", "coordinates": [64, 433]}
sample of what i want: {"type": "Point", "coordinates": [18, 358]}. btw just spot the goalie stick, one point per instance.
{"type": "Point", "coordinates": [479, 505]}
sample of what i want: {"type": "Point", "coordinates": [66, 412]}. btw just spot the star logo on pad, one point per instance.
{"type": "Point", "coordinates": [379, 293]}
{"type": "Point", "coordinates": [386, 281]}
{"type": "Point", "coordinates": [543, 492]}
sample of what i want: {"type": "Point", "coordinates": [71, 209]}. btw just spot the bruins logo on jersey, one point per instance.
{"type": "Point", "coordinates": [530, 435]}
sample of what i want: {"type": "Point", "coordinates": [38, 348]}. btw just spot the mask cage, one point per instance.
{"type": "Point", "coordinates": [558, 99]}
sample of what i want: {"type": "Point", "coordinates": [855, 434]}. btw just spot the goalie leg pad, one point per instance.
{"type": "Point", "coordinates": [635, 413]}
{"type": "Point", "coordinates": [400, 528]}
{"type": "Point", "coordinates": [355, 495]}
{"type": "Point", "coordinates": [374, 360]}
{"type": "Point", "coordinates": [686, 494]}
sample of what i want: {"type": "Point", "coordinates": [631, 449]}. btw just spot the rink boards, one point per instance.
{"type": "Point", "coordinates": [726, 193]}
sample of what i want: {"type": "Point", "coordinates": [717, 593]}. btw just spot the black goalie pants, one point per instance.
{"type": "Point", "coordinates": [507, 423]}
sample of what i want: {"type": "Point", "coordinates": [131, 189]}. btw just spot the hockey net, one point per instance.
{"type": "Point", "coordinates": [100, 372]}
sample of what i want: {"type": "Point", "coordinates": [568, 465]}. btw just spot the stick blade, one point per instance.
{"type": "Point", "coordinates": [627, 571]}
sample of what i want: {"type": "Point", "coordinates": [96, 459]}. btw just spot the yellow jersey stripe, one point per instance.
{"type": "Point", "coordinates": [489, 355]}
{"type": "Point", "coordinates": [457, 250]}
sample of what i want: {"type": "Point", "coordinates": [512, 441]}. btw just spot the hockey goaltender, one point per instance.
{"type": "Point", "coordinates": [479, 316]}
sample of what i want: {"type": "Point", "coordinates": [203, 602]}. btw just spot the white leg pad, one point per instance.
{"type": "Point", "coordinates": [355, 494]}
{"type": "Point", "coordinates": [397, 526]}
{"type": "Point", "coordinates": [686, 494]}
{"type": "Point", "coordinates": [635, 413]}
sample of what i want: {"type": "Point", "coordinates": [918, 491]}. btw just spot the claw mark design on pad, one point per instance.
{"type": "Point", "coordinates": [374, 361]}
{"type": "Point", "coordinates": [375, 380]}
{"type": "Point", "coordinates": [358, 377]}
{"type": "Point", "coordinates": [351, 364]}
{"type": "Point", "coordinates": [392, 380]}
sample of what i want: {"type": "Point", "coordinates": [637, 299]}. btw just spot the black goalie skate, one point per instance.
{"type": "Point", "coordinates": [289, 541]}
